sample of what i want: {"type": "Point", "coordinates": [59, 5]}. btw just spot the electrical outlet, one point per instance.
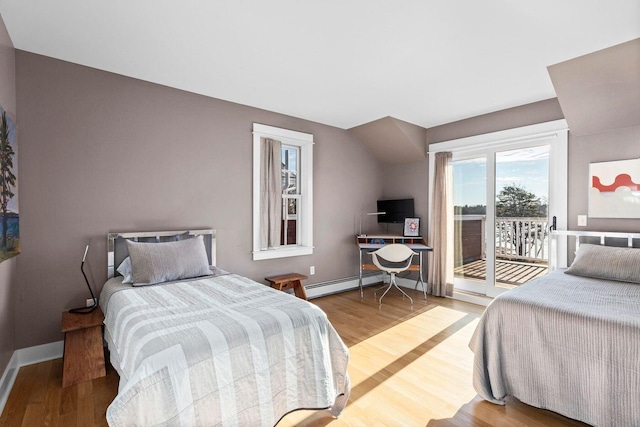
{"type": "Point", "coordinates": [582, 220]}
{"type": "Point", "coordinates": [89, 302]}
{"type": "Point", "coordinates": [312, 270]}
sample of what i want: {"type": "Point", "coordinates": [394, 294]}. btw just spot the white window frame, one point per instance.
{"type": "Point", "coordinates": [295, 196]}
{"type": "Point", "coordinates": [305, 217]}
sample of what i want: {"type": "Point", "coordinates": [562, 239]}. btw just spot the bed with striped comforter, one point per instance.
{"type": "Point", "coordinates": [565, 343]}
{"type": "Point", "coordinates": [219, 351]}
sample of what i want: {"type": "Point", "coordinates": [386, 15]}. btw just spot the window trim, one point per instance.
{"type": "Point", "coordinates": [305, 143]}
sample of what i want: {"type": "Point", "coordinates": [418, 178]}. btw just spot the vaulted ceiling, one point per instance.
{"type": "Point", "coordinates": [341, 63]}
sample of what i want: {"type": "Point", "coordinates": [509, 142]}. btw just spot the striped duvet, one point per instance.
{"type": "Point", "coordinates": [565, 343]}
{"type": "Point", "coordinates": [219, 351]}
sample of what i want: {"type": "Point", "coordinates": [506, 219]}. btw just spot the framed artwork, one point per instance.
{"type": "Point", "coordinates": [9, 217]}
{"type": "Point", "coordinates": [614, 189]}
{"type": "Point", "coordinates": [412, 227]}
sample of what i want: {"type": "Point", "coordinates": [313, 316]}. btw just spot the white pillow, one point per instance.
{"type": "Point", "coordinates": [607, 262]}
{"type": "Point", "coordinates": [125, 269]}
{"type": "Point", "coordinates": [153, 263]}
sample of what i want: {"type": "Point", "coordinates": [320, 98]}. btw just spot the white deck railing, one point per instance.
{"type": "Point", "coordinates": [522, 239]}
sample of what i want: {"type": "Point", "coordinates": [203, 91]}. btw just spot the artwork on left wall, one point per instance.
{"type": "Point", "coordinates": [9, 218]}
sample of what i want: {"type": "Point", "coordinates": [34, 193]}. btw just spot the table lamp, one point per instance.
{"type": "Point", "coordinates": [369, 214]}
{"type": "Point", "coordinates": [86, 310]}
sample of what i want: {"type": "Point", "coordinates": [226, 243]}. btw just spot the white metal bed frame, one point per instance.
{"type": "Point", "coordinates": [559, 247]}
{"type": "Point", "coordinates": [117, 248]}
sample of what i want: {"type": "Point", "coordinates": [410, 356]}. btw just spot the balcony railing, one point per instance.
{"type": "Point", "coordinates": [517, 239]}
{"type": "Point", "coordinates": [522, 239]}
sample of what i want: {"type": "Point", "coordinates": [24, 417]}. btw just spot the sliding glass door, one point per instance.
{"type": "Point", "coordinates": [502, 205]}
{"type": "Point", "coordinates": [470, 210]}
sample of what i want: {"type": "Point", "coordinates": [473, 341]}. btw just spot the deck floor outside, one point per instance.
{"type": "Point", "coordinates": [508, 273]}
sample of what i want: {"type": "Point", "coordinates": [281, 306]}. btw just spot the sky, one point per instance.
{"type": "Point", "coordinates": [527, 168]}
{"type": "Point", "coordinates": [292, 156]}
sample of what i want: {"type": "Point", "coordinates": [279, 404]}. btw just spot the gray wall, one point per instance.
{"type": "Point", "coordinates": [537, 112]}
{"type": "Point", "coordinates": [101, 152]}
{"type": "Point", "coordinates": [408, 180]}
{"type": "Point", "coordinates": [618, 144]}
{"type": "Point", "coordinates": [7, 268]}
{"type": "Point", "coordinates": [600, 96]}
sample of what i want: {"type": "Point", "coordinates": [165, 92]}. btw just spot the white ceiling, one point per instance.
{"type": "Point", "coordinates": [338, 62]}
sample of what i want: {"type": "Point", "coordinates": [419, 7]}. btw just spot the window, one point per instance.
{"type": "Point", "coordinates": [282, 192]}
{"type": "Point", "coordinates": [290, 234]}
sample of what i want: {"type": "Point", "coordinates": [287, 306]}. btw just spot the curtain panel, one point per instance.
{"type": "Point", "coordinates": [441, 228]}
{"type": "Point", "coordinates": [270, 193]}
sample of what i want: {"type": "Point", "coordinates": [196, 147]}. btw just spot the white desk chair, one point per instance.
{"type": "Point", "coordinates": [394, 258]}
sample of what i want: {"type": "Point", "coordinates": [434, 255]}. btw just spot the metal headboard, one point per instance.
{"type": "Point", "coordinates": [558, 258]}
{"type": "Point", "coordinates": [117, 247]}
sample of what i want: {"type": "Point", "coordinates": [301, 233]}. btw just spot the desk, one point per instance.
{"type": "Point", "coordinates": [370, 243]}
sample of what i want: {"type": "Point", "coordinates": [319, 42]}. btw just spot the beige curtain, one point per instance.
{"type": "Point", "coordinates": [270, 193]}
{"type": "Point", "coordinates": [441, 228]}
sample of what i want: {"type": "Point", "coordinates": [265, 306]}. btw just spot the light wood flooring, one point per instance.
{"type": "Point", "coordinates": [407, 368]}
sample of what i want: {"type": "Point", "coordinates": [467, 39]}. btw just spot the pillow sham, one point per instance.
{"type": "Point", "coordinates": [153, 263]}
{"type": "Point", "coordinates": [607, 262]}
{"type": "Point", "coordinates": [125, 270]}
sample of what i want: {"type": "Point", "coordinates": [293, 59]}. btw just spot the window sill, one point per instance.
{"type": "Point", "coordinates": [282, 252]}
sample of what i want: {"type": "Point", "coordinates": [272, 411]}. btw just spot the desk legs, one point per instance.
{"type": "Point", "coordinates": [420, 279]}
{"type": "Point", "coordinates": [360, 274]}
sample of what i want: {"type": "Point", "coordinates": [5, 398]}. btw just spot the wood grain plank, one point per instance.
{"type": "Point", "coordinates": [51, 414]}
{"type": "Point", "coordinates": [68, 413]}
{"type": "Point", "coordinates": [33, 415]}
{"type": "Point", "coordinates": [16, 405]}
{"type": "Point", "coordinates": [85, 404]}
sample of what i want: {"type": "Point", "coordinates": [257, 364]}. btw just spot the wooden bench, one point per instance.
{"type": "Point", "coordinates": [289, 281]}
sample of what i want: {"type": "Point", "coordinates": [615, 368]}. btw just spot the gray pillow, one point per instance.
{"type": "Point", "coordinates": [153, 263]}
{"type": "Point", "coordinates": [607, 262]}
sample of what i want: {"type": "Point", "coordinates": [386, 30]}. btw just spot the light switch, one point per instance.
{"type": "Point", "coordinates": [582, 220]}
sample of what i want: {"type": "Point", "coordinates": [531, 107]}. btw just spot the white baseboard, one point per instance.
{"type": "Point", "coordinates": [7, 380]}
{"type": "Point", "coordinates": [24, 357]}
{"type": "Point", "coordinates": [409, 283]}
{"type": "Point", "coordinates": [322, 289]}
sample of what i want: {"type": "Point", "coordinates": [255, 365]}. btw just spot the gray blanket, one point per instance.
{"type": "Point", "coordinates": [219, 351]}
{"type": "Point", "coordinates": [565, 343]}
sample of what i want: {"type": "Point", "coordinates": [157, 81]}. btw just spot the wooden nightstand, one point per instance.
{"type": "Point", "coordinates": [289, 281]}
{"type": "Point", "coordinates": [83, 352]}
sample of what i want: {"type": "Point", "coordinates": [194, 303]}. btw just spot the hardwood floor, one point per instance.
{"type": "Point", "coordinates": [407, 368]}
{"type": "Point", "coordinates": [38, 399]}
